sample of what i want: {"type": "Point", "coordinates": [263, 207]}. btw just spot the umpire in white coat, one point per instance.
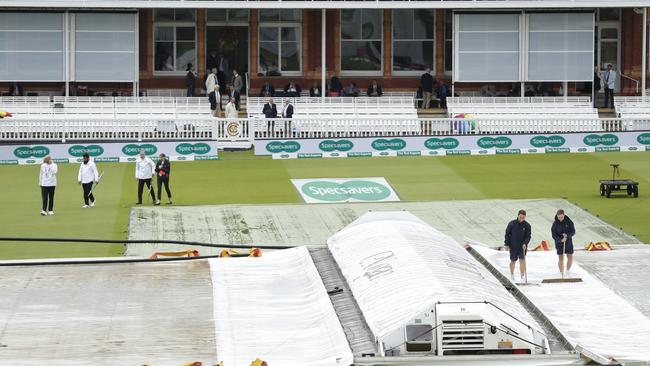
{"type": "Point", "coordinates": [144, 171]}
{"type": "Point", "coordinates": [88, 176]}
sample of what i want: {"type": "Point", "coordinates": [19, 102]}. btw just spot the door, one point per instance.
{"type": "Point", "coordinates": [232, 42]}
{"type": "Point", "coordinates": [608, 33]}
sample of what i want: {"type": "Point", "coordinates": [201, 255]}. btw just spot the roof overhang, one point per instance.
{"type": "Point", "coordinates": [354, 4]}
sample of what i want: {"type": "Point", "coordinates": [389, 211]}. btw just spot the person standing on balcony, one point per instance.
{"type": "Point", "coordinates": [597, 84]}
{"type": "Point", "coordinates": [211, 84]}
{"type": "Point", "coordinates": [270, 112]}
{"type": "Point", "coordinates": [190, 79]}
{"type": "Point", "coordinates": [47, 181]}
{"type": "Point", "coordinates": [609, 81]}
{"type": "Point", "coordinates": [234, 93]}
{"type": "Point", "coordinates": [237, 81]}
{"type": "Point", "coordinates": [231, 109]}
{"type": "Point", "coordinates": [426, 83]}
{"type": "Point", "coordinates": [222, 69]}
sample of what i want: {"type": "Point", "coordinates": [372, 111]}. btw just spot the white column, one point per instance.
{"type": "Point", "coordinates": [323, 61]}
{"type": "Point", "coordinates": [644, 55]}
{"type": "Point", "coordinates": [136, 66]}
{"type": "Point", "coordinates": [66, 52]}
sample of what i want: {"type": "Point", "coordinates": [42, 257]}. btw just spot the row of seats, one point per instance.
{"type": "Point", "coordinates": [632, 107]}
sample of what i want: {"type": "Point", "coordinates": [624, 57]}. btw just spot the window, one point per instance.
{"type": "Point", "coordinates": [361, 40]}
{"type": "Point", "coordinates": [227, 16]}
{"type": "Point", "coordinates": [279, 42]}
{"type": "Point", "coordinates": [449, 40]}
{"type": "Point", "coordinates": [413, 40]}
{"type": "Point", "coordinates": [174, 39]}
{"type": "Point", "coordinates": [31, 47]}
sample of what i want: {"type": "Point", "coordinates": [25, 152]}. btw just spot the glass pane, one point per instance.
{"type": "Point", "coordinates": [419, 333]}
{"type": "Point", "coordinates": [216, 15]}
{"type": "Point", "coordinates": [449, 24]}
{"type": "Point", "coordinates": [269, 15]}
{"type": "Point", "coordinates": [350, 19]}
{"type": "Point", "coordinates": [31, 21]}
{"type": "Point", "coordinates": [185, 53]}
{"type": "Point", "coordinates": [164, 34]}
{"type": "Point", "coordinates": [289, 34]}
{"type": "Point", "coordinates": [449, 55]}
{"type": "Point", "coordinates": [268, 34]}
{"type": "Point", "coordinates": [290, 15]}
{"type": "Point", "coordinates": [361, 55]}
{"type": "Point", "coordinates": [488, 41]}
{"type": "Point", "coordinates": [488, 67]}
{"type": "Point", "coordinates": [371, 27]}
{"type": "Point", "coordinates": [21, 66]}
{"type": "Point", "coordinates": [559, 66]}
{"type": "Point", "coordinates": [185, 15]}
{"type": "Point", "coordinates": [290, 56]}
{"type": "Point", "coordinates": [609, 33]}
{"type": "Point", "coordinates": [561, 21]}
{"type": "Point", "coordinates": [558, 41]}
{"type": "Point", "coordinates": [31, 41]}
{"type": "Point", "coordinates": [423, 24]}
{"type": "Point", "coordinates": [608, 54]}
{"type": "Point", "coordinates": [164, 56]}
{"type": "Point", "coordinates": [184, 33]}
{"type": "Point", "coordinates": [609, 14]}
{"type": "Point", "coordinates": [104, 66]}
{"type": "Point", "coordinates": [105, 41]}
{"type": "Point", "coordinates": [412, 55]}
{"type": "Point", "coordinates": [488, 22]}
{"type": "Point", "coordinates": [402, 26]}
{"type": "Point", "coordinates": [238, 15]}
{"type": "Point", "coordinates": [163, 15]}
{"type": "Point", "coordinates": [104, 21]}
{"type": "Point", "coordinates": [269, 56]}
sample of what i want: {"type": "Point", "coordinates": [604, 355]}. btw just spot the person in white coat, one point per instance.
{"type": "Point", "coordinates": [609, 81]}
{"type": "Point", "coordinates": [47, 181]}
{"type": "Point", "coordinates": [144, 171]}
{"type": "Point", "coordinates": [88, 176]}
{"type": "Point", "coordinates": [231, 109]}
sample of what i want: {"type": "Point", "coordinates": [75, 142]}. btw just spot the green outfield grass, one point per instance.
{"type": "Point", "coordinates": [242, 178]}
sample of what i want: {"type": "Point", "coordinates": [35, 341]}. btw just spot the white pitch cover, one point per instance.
{"type": "Point", "coordinates": [397, 266]}
{"type": "Point", "coordinates": [275, 308]}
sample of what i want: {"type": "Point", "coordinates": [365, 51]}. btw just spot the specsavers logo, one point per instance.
{"type": "Point", "coordinates": [332, 145]}
{"type": "Point", "coordinates": [392, 144]}
{"type": "Point", "coordinates": [134, 149]}
{"type": "Point", "coordinates": [198, 148]}
{"type": "Point", "coordinates": [446, 143]}
{"type": "Point", "coordinates": [550, 141]}
{"type": "Point", "coordinates": [644, 138]}
{"type": "Point", "coordinates": [338, 192]}
{"type": "Point", "coordinates": [500, 142]}
{"type": "Point", "coordinates": [595, 140]}
{"type": "Point", "coordinates": [79, 150]}
{"type": "Point", "coordinates": [279, 146]}
{"type": "Point", "coordinates": [25, 152]}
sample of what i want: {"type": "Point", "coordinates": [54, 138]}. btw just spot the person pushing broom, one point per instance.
{"type": "Point", "coordinates": [563, 231]}
{"type": "Point", "coordinates": [516, 240]}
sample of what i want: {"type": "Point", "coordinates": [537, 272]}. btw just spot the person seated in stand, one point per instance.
{"type": "Point", "coordinates": [267, 90]}
{"type": "Point", "coordinates": [443, 93]}
{"type": "Point", "coordinates": [335, 87]}
{"type": "Point", "coordinates": [351, 90]}
{"type": "Point", "coordinates": [374, 89]}
{"type": "Point", "coordinates": [315, 90]}
{"type": "Point", "coordinates": [292, 90]}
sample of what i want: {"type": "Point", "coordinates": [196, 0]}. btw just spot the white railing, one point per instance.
{"type": "Point", "coordinates": [345, 101]}
{"type": "Point", "coordinates": [518, 100]}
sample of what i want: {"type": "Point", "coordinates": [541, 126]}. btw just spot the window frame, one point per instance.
{"type": "Point", "coordinates": [297, 25]}
{"type": "Point", "coordinates": [227, 22]}
{"type": "Point", "coordinates": [174, 24]}
{"type": "Point", "coordinates": [379, 72]}
{"type": "Point", "coordinates": [393, 40]}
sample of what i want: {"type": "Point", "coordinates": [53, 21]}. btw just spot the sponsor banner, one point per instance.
{"type": "Point", "coordinates": [108, 152]}
{"type": "Point", "coordinates": [632, 148]}
{"type": "Point", "coordinates": [9, 162]}
{"type": "Point", "coordinates": [456, 145]}
{"type": "Point", "coordinates": [336, 190]}
{"type": "Point", "coordinates": [285, 156]}
{"type": "Point", "coordinates": [335, 155]}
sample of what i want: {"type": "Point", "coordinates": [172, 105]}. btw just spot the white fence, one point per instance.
{"type": "Point", "coordinates": [241, 132]}
{"type": "Point", "coordinates": [513, 100]}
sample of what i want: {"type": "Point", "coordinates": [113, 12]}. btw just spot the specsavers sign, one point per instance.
{"type": "Point", "coordinates": [337, 190]}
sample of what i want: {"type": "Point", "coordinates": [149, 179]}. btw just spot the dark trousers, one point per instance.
{"type": "Point", "coordinates": [47, 194]}
{"type": "Point", "coordinates": [190, 91]}
{"type": "Point", "coordinates": [87, 195]}
{"type": "Point", "coordinates": [165, 182]}
{"type": "Point", "coordinates": [141, 184]}
{"type": "Point", "coordinates": [609, 97]}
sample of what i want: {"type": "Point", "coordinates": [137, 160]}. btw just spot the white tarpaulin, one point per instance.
{"type": "Point", "coordinates": [397, 265]}
{"type": "Point", "coordinates": [275, 308]}
{"type": "Point", "coordinates": [588, 312]}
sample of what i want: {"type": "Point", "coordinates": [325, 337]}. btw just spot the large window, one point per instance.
{"type": "Point", "coordinates": [105, 47]}
{"type": "Point", "coordinates": [31, 47]}
{"type": "Point", "coordinates": [413, 40]}
{"type": "Point", "coordinates": [174, 39]}
{"type": "Point", "coordinates": [487, 47]}
{"type": "Point", "coordinates": [361, 40]}
{"type": "Point", "coordinates": [560, 46]}
{"type": "Point", "coordinates": [279, 42]}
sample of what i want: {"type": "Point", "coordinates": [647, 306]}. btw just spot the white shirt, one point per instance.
{"type": "Point", "coordinates": [231, 110]}
{"type": "Point", "coordinates": [609, 78]}
{"type": "Point", "coordinates": [284, 110]}
{"type": "Point", "coordinates": [144, 168]}
{"type": "Point", "coordinates": [47, 176]}
{"type": "Point", "coordinates": [210, 83]}
{"type": "Point", "coordinates": [88, 172]}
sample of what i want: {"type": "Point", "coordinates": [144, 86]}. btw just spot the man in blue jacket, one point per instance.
{"type": "Point", "coordinates": [563, 231]}
{"type": "Point", "coordinates": [516, 240]}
